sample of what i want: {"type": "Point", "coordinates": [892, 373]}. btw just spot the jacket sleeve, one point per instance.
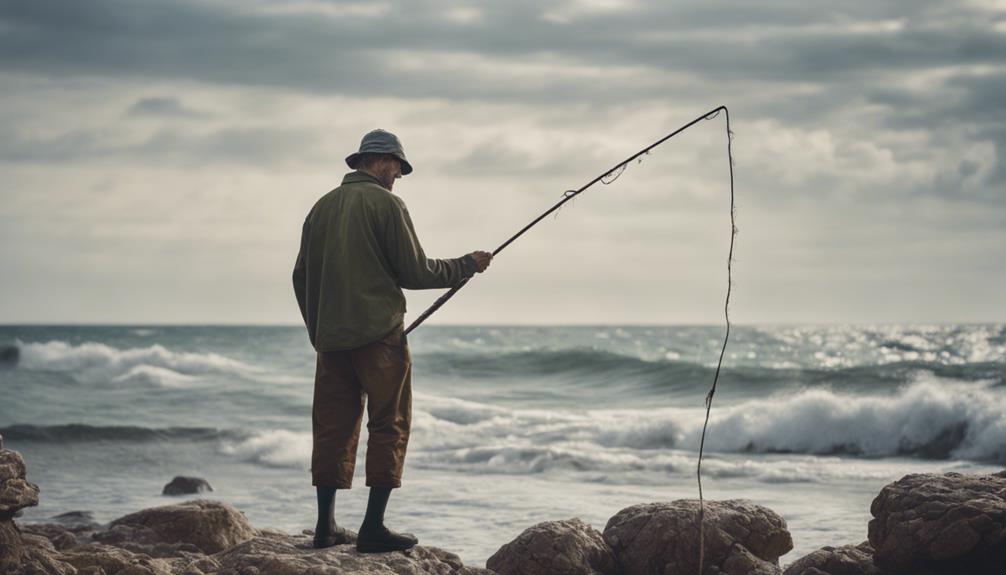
{"type": "Point", "coordinates": [300, 271]}
{"type": "Point", "coordinates": [409, 261]}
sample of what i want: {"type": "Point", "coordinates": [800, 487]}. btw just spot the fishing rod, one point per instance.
{"type": "Point", "coordinates": [607, 178]}
{"type": "Point", "coordinates": [613, 173]}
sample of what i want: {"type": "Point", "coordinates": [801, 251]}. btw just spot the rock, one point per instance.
{"type": "Point", "coordinates": [276, 553]}
{"type": "Point", "coordinates": [9, 356]}
{"type": "Point", "coordinates": [950, 523]}
{"type": "Point", "coordinates": [656, 538]}
{"type": "Point", "coordinates": [844, 560]}
{"type": "Point", "coordinates": [186, 486]}
{"type": "Point", "coordinates": [15, 492]}
{"type": "Point", "coordinates": [569, 547]}
{"type": "Point", "coordinates": [76, 521]}
{"type": "Point", "coordinates": [60, 537]}
{"type": "Point", "coordinates": [11, 548]}
{"type": "Point", "coordinates": [208, 526]}
{"type": "Point", "coordinates": [41, 558]}
{"type": "Point", "coordinates": [113, 560]}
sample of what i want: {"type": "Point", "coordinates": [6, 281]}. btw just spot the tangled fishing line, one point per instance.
{"type": "Point", "coordinates": [609, 177]}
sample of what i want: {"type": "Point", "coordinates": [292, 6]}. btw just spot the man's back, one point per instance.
{"type": "Point", "coordinates": [358, 249]}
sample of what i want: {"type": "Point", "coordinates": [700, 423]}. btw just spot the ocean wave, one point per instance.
{"type": "Point", "coordinates": [928, 419]}
{"type": "Point", "coordinates": [155, 365]}
{"type": "Point", "coordinates": [275, 448]}
{"type": "Point", "coordinates": [806, 436]}
{"type": "Point", "coordinates": [77, 432]}
{"type": "Point", "coordinates": [586, 368]}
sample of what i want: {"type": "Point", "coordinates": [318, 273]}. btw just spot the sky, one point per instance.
{"type": "Point", "coordinates": [157, 158]}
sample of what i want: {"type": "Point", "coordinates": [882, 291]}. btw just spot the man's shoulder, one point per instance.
{"type": "Point", "coordinates": [368, 192]}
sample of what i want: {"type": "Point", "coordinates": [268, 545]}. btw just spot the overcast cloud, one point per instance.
{"type": "Point", "coordinates": [158, 157]}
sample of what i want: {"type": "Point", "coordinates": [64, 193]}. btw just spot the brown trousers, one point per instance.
{"type": "Point", "coordinates": [380, 375]}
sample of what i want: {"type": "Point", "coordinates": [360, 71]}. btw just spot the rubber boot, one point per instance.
{"type": "Point", "coordinates": [374, 537]}
{"type": "Point", "coordinates": [326, 532]}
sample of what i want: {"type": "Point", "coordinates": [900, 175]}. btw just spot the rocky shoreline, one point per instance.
{"type": "Point", "coordinates": [923, 524]}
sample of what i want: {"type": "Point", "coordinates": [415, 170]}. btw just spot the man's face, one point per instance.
{"type": "Point", "coordinates": [388, 170]}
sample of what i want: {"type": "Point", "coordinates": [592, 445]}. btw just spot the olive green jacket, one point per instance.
{"type": "Point", "coordinates": [358, 250]}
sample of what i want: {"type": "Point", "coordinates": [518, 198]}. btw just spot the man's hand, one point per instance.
{"type": "Point", "coordinates": [482, 260]}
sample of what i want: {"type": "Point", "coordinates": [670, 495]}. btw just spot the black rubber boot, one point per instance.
{"type": "Point", "coordinates": [326, 532]}
{"type": "Point", "coordinates": [383, 540]}
{"type": "Point", "coordinates": [374, 537]}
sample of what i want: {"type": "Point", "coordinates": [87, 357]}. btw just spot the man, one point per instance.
{"type": "Point", "coordinates": [358, 250]}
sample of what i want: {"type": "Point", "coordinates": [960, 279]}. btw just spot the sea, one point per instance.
{"type": "Point", "coordinates": [512, 425]}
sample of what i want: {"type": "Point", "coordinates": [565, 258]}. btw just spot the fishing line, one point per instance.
{"type": "Point", "coordinates": [609, 177]}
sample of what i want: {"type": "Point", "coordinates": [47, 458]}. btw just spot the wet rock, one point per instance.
{"type": "Point", "coordinates": [9, 356]}
{"type": "Point", "coordinates": [208, 526]}
{"type": "Point", "coordinates": [76, 521]}
{"type": "Point", "coordinates": [741, 538]}
{"type": "Point", "coordinates": [276, 553]}
{"type": "Point", "coordinates": [569, 547]}
{"type": "Point", "coordinates": [949, 523]}
{"type": "Point", "coordinates": [186, 486]}
{"type": "Point", "coordinates": [844, 560]}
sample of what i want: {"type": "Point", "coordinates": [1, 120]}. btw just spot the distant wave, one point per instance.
{"type": "Point", "coordinates": [74, 432]}
{"type": "Point", "coordinates": [99, 363]}
{"type": "Point", "coordinates": [586, 367]}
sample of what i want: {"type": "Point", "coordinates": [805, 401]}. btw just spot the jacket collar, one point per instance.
{"type": "Point", "coordinates": [358, 177]}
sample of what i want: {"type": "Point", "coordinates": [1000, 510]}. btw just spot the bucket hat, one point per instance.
{"type": "Point", "coordinates": [380, 142]}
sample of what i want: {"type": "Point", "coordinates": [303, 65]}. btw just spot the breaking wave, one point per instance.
{"type": "Point", "coordinates": [276, 448]}
{"type": "Point", "coordinates": [154, 365]}
{"type": "Point", "coordinates": [817, 430]}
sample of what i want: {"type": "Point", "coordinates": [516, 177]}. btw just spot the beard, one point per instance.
{"type": "Point", "coordinates": [387, 178]}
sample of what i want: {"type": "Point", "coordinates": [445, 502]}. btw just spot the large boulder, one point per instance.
{"type": "Point", "coordinates": [844, 560]}
{"type": "Point", "coordinates": [276, 553]}
{"type": "Point", "coordinates": [950, 523]}
{"type": "Point", "coordinates": [569, 547]}
{"type": "Point", "coordinates": [741, 538]}
{"type": "Point", "coordinates": [182, 485]}
{"type": "Point", "coordinates": [195, 526]}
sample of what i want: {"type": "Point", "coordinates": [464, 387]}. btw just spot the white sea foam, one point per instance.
{"type": "Point", "coordinates": [153, 375]}
{"type": "Point", "coordinates": [961, 421]}
{"type": "Point", "coordinates": [91, 362]}
{"type": "Point", "coordinates": [277, 448]}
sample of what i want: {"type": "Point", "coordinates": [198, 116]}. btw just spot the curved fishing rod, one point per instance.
{"type": "Point", "coordinates": [569, 195]}
{"type": "Point", "coordinates": [613, 173]}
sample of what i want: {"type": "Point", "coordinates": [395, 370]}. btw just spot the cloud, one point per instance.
{"type": "Point", "coordinates": [188, 139]}
{"type": "Point", "coordinates": [162, 107]}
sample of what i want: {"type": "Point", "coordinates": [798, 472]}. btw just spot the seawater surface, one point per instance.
{"type": "Point", "coordinates": [513, 425]}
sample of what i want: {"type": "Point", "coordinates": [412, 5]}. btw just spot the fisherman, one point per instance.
{"type": "Point", "coordinates": [358, 250]}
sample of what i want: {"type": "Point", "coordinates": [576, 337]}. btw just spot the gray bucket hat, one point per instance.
{"type": "Point", "coordinates": [381, 142]}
